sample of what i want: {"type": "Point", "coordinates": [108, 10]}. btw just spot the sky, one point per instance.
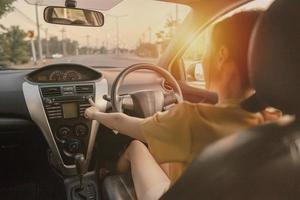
{"type": "Point", "coordinates": [142, 19]}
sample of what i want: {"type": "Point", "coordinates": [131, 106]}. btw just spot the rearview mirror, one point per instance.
{"type": "Point", "coordinates": [73, 16]}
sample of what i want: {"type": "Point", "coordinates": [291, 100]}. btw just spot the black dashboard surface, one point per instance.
{"type": "Point", "coordinates": [12, 102]}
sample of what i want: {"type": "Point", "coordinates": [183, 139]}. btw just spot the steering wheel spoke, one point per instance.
{"type": "Point", "coordinates": [126, 101]}
{"type": "Point", "coordinates": [170, 98]}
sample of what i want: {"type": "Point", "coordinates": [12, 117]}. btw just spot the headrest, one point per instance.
{"type": "Point", "coordinates": [274, 56]}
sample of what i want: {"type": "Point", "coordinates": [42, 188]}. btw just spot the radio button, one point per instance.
{"type": "Point", "coordinates": [53, 111]}
{"type": "Point", "coordinates": [48, 101]}
{"type": "Point", "coordinates": [68, 88]}
{"type": "Point", "coordinates": [55, 117]}
{"type": "Point", "coordinates": [68, 93]}
{"type": "Point", "coordinates": [53, 107]}
{"type": "Point", "coordinates": [85, 105]}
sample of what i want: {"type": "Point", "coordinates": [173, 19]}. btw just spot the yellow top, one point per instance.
{"type": "Point", "coordinates": [176, 136]}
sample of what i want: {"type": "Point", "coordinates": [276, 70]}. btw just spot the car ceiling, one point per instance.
{"type": "Point", "coordinates": [90, 4]}
{"type": "Point", "coordinates": [210, 3]}
{"type": "Point", "coordinates": [109, 4]}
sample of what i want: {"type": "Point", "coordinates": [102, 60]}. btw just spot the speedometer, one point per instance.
{"type": "Point", "coordinates": [56, 76]}
{"type": "Point", "coordinates": [72, 76]}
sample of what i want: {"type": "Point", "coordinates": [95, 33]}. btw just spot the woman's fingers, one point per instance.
{"type": "Point", "coordinates": [90, 112]}
{"type": "Point", "coordinates": [92, 102]}
{"type": "Point", "coordinates": [87, 113]}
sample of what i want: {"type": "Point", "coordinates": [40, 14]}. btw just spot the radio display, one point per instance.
{"type": "Point", "coordinates": [70, 110]}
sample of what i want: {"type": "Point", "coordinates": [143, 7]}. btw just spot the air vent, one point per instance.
{"type": "Point", "coordinates": [82, 89]}
{"type": "Point", "coordinates": [51, 91]}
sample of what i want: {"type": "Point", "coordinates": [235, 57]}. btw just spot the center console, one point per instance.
{"type": "Point", "coordinates": [57, 97]}
{"type": "Point", "coordinates": [58, 110]}
{"type": "Point", "coordinates": [64, 106]}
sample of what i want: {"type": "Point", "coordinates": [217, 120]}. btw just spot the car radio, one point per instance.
{"type": "Point", "coordinates": [64, 107]}
{"type": "Point", "coordinates": [65, 102]}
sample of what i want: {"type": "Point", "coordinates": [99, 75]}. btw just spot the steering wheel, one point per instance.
{"type": "Point", "coordinates": [146, 102]}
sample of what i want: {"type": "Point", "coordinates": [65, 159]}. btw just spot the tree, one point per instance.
{"type": "Point", "coordinates": [171, 24]}
{"type": "Point", "coordinates": [103, 50]}
{"type": "Point", "coordinates": [14, 47]}
{"type": "Point", "coordinates": [147, 50]}
{"type": "Point", "coordinates": [55, 45]}
{"type": "Point", "coordinates": [71, 46]}
{"type": "Point", "coordinates": [5, 6]}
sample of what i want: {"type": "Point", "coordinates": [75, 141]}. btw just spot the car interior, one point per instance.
{"type": "Point", "coordinates": [49, 150]}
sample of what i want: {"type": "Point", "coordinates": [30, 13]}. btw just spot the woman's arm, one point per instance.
{"type": "Point", "coordinates": [120, 122]}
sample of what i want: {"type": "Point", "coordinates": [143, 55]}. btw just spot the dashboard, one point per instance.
{"type": "Point", "coordinates": [51, 100]}
{"type": "Point", "coordinates": [54, 98]}
{"type": "Point", "coordinates": [63, 73]}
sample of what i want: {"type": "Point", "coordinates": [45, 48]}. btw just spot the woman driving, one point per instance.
{"type": "Point", "coordinates": [176, 136]}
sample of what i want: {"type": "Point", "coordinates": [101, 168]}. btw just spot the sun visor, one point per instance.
{"type": "Point", "coordinates": [86, 4]}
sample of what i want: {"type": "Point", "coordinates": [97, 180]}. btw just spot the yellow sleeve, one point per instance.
{"type": "Point", "coordinates": [168, 134]}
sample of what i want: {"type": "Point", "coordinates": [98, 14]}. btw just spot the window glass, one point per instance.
{"type": "Point", "coordinates": [134, 31]}
{"type": "Point", "coordinates": [193, 56]}
{"type": "Point", "coordinates": [193, 59]}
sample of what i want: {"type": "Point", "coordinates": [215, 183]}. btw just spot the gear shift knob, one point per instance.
{"type": "Point", "coordinates": [85, 190]}
{"type": "Point", "coordinates": [80, 167]}
{"type": "Point", "coordinates": [79, 162]}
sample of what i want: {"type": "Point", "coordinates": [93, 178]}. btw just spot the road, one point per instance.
{"type": "Point", "coordinates": [104, 60]}
{"type": "Point", "coordinates": [101, 60]}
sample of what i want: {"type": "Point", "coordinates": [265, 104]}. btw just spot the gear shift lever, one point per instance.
{"type": "Point", "coordinates": [80, 167]}
{"type": "Point", "coordinates": [86, 190]}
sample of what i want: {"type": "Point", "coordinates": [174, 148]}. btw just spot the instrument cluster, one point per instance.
{"type": "Point", "coordinates": [63, 73]}
{"type": "Point", "coordinates": [65, 76]}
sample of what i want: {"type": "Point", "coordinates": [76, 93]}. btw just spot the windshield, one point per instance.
{"type": "Point", "coordinates": [134, 31]}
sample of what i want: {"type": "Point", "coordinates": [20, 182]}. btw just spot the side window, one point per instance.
{"type": "Point", "coordinates": [193, 59]}
{"type": "Point", "coordinates": [193, 56]}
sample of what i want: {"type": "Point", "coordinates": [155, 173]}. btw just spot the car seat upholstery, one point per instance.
{"type": "Point", "coordinates": [257, 164]}
{"type": "Point", "coordinates": [263, 162]}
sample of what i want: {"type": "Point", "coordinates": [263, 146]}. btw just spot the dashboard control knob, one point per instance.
{"type": "Point", "coordinates": [63, 132]}
{"type": "Point", "coordinates": [87, 97]}
{"type": "Point", "coordinates": [81, 130]}
{"type": "Point", "coordinates": [48, 101]}
{"type": "Point", "coordinates": [73, 146]}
